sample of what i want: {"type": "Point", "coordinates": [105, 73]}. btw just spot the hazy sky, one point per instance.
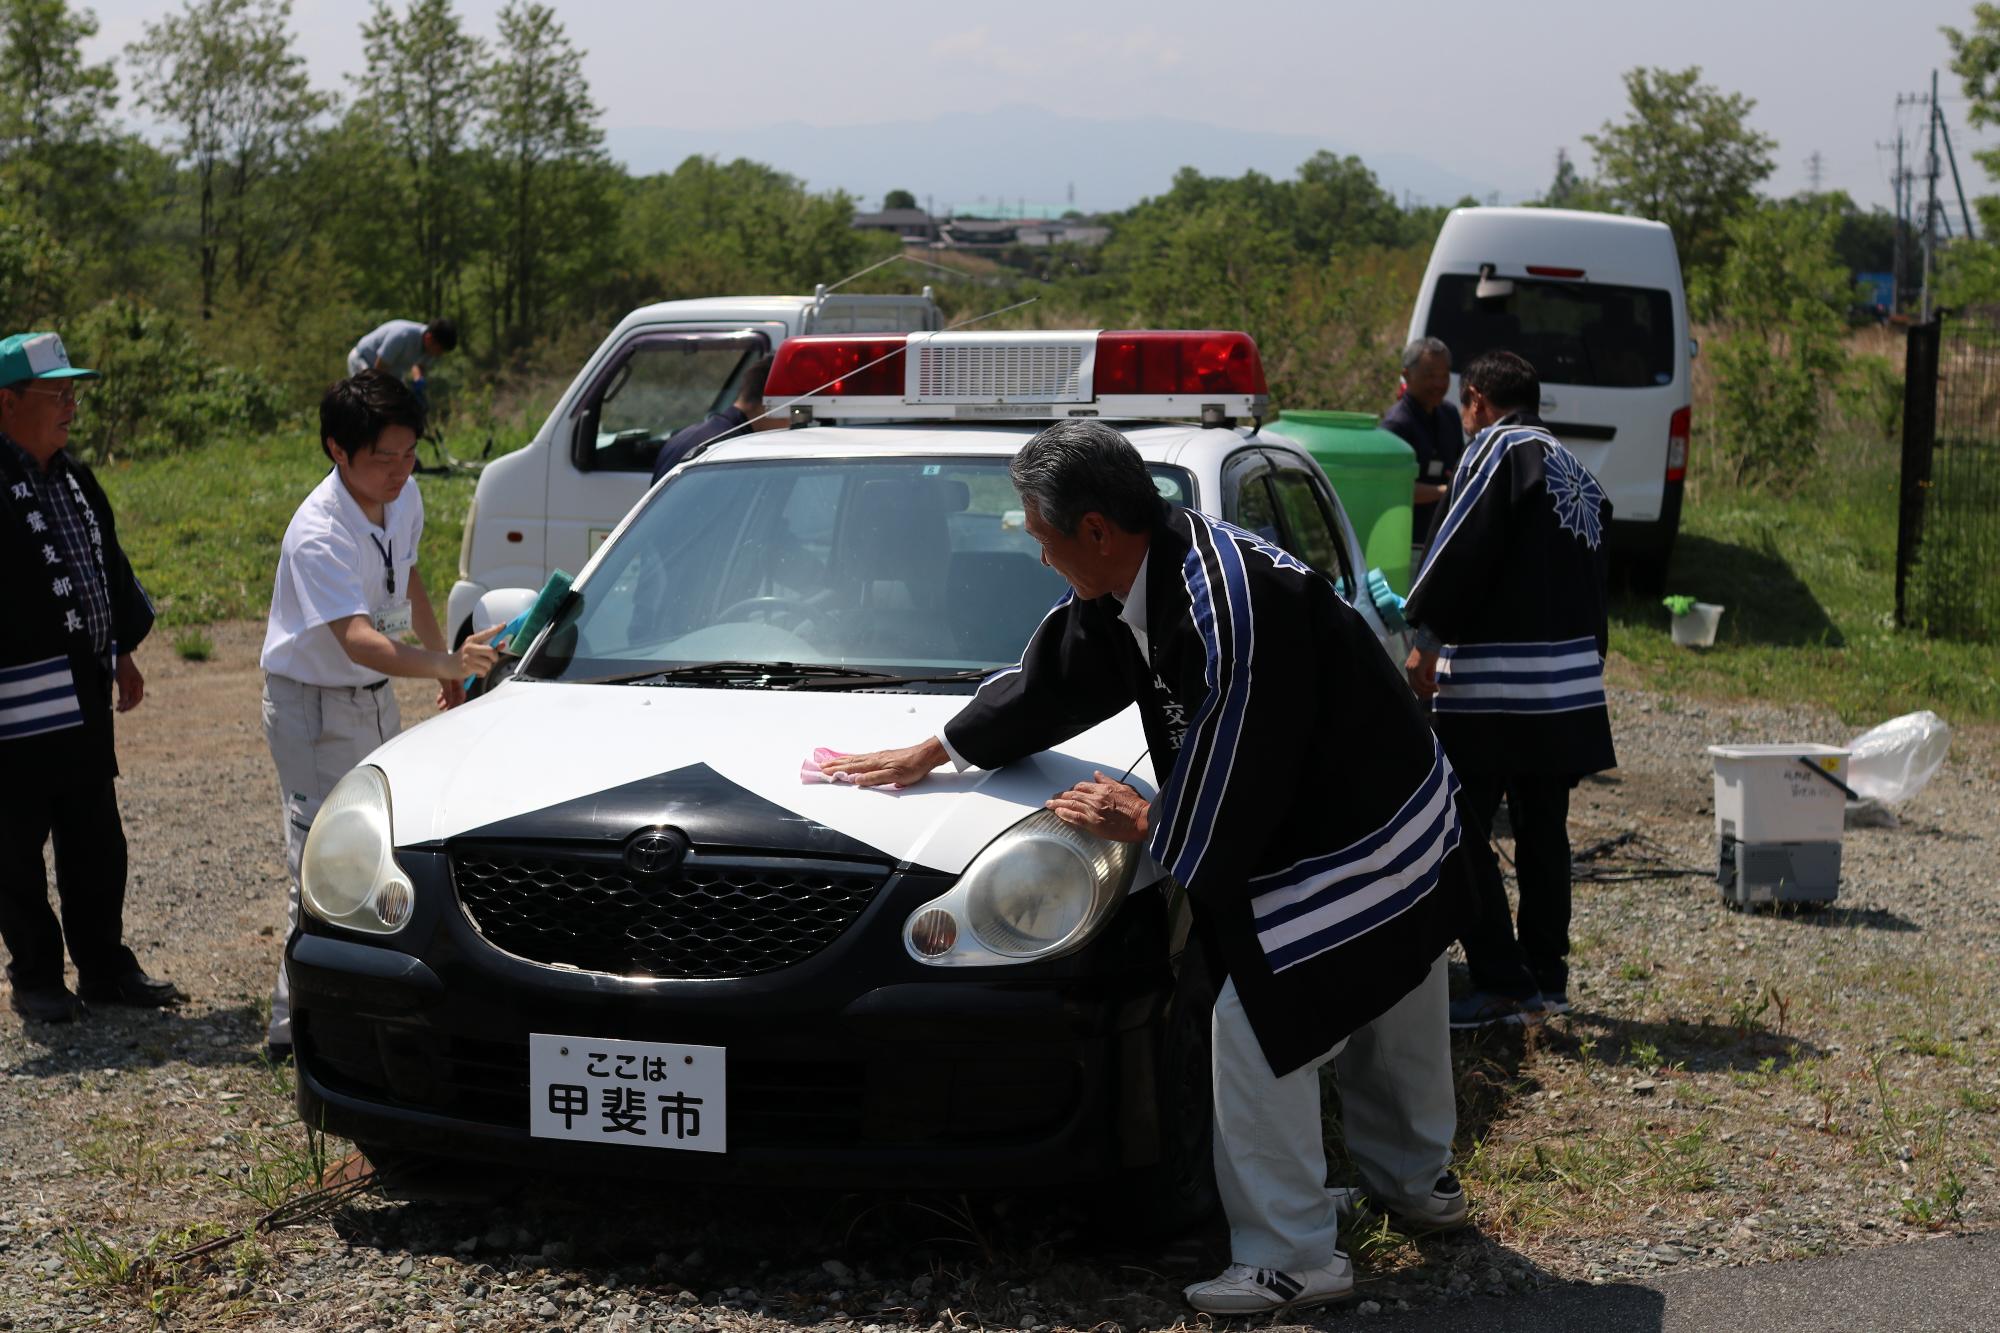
{"type": "Point", "coordinates": [1488, 90]}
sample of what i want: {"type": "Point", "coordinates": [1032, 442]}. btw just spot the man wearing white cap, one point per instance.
{"type": "Point", "coordinates": [73, 612]}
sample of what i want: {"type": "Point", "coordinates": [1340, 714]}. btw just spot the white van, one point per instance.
{"type": "Point", "coordinates": [1594, 302]}
{"type": "Point", "coordinates": [549, 505]}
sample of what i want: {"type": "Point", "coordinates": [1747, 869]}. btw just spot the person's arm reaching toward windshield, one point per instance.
{"type": "Point", "coordinates": [1066, 683]}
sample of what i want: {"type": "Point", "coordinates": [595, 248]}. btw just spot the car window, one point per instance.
{"type": "Point", "coordinates": [660, 385]}
{"type": "Point", "coordinates": [1582, 333]}
{"type": "Point", "coordinates": [1252, 508]}
{"type": "Point", "coordinates": [1308, 527]}
{"type": "Point", "coordinates": [905, 563]}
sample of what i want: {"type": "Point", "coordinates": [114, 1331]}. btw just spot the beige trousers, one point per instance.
{"type": "Point", "coordinates": [316, 734]}
{"type": "Point", "coordinates": [1398, 1115]}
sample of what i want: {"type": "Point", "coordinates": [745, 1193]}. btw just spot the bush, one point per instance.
{"type": "Point", "coordinates": [1778, 296]}
{"type": "Point", "coordinates": [1870, 397]}
{"type": "Point", "coordinates": [160, 393]}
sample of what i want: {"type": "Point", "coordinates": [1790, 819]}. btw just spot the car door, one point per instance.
{"type": "Point", "coordinates": [654, 383]}
{"type": "Point", "coordinates": [1289, 504]}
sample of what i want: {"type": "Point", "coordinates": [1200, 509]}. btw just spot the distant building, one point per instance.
{"type": "Point", "coordinates": [1063, 231]}
{"type": "Point", "coordinates": [913, 225]}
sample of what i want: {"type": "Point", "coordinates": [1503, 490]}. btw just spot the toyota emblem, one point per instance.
{"type": "Point", "coordinates": [655, 852]}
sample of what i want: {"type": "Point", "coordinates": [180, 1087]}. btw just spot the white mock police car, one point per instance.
{"type": "Point", "coordinates": [598, 919]}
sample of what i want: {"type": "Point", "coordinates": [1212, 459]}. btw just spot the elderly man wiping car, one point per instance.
{"type": "Point", "coordinates": [1304, 806]}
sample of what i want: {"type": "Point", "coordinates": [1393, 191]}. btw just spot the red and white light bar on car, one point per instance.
{"type": "Point", "coordinates": [1207, 375]}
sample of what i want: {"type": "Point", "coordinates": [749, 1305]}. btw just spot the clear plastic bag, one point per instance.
{"type": "Point", "coordinates": [1892, 762]}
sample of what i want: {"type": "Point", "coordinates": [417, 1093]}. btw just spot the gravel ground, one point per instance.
{"type": "Point", "coordinates": [1732, 1088]}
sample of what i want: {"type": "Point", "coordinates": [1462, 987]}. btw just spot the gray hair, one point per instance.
{"type": "Point", "coordinates": [1080, 466]}
{"type": "Point", "coordinates": [1423, 347]}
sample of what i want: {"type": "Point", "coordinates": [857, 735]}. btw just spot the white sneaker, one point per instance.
{"type": "Point", "coordinates": [1242, 1289]}
{"type": "Point", "coordinates": [1444, 1210]}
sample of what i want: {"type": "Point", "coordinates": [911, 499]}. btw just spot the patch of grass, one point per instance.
{"type": "Point", "coordinates": [1635, 971]}
{"type": "Point", "coordinates": [191, 645]}
{"type": "Point", "coordinates": [203, 527]}
{"type": "Point", "coordinates": [1974, 1100]}
{"type": "Point", "coordinates": [283, 1165]}
{"type": "Point", "coordinates": [1927, 1043]}
{"type": "Point", "coordinates": [1809, 581]}
{"type": "Point", "coordinates": [96, 1262]}
{"type": "Point", "coordinates": [1938, 1208]}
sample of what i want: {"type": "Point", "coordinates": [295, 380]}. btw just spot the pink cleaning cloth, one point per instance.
{"type": "Point", "coordinates": [809, 770]}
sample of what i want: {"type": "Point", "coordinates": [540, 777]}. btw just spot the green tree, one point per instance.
{"type": "Point", "coordinates": [546, 160]}
{"type": "Point", "coordinates": [898, 199]}
{"type": "Point", "coordinates": [1684, 155]}
{"type": "Point", "coordinates": [709, 227]}
{"type": "Point", "coordinates": [1779, 295]}
{"type": "Point", "coordinates": [1969, 270]}
{"type": "Point", "coordinates": [421, 103]}
{"type": "Point", "coordinates": [225, 75]}
{"type": "Point", "coordinates": [58, 156]}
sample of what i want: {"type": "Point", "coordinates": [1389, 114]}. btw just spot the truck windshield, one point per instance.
{"type": "Point", "coordinates": [905, 566]}
{"type": "Point", "coordinates": [1572, 332]}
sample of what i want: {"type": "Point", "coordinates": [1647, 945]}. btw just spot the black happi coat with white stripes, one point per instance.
{"type": "Point", "coordinates": [1514, 587]}
{"type": "Point", "coordinates": [55, 692]}
{"type": "Point", "coordinates": [1303, 803]}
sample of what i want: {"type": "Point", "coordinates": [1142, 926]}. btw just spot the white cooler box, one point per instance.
{"type": "Point", "coordinates": [1778, 822]}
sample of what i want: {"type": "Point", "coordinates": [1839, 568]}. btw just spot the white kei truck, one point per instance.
{"type": "Point", "coordinates": [550, 504]}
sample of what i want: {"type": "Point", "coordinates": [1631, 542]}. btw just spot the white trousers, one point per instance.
{"type": "Point", "coordinates": [316, 734]}
{"type": "Point", "coordinates": [1397, 1112]}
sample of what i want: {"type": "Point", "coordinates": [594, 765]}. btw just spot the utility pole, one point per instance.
{"type": "Point", "coordinates": [1896, 261]}
{"type": "Point", "coordinates": [1930, 202]}
{"type": "Point", "coordinates": [1813, 165]}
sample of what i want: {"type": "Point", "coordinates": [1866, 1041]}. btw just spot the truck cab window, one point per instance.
{"type": "Point", "coordinates": [661, 384]}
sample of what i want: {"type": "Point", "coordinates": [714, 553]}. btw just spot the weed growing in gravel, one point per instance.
{"type": "Point", "coordinates": [1938, 1208]}
{"type": "Point", "coordinates": [284, 1166]}
{"type": "Point", "coordinates": [130, 1151]}
{"type": "Point", "coordinates": [95, 1262]}
{"type": "Point", "coordinates": [1974, 1100]}
{"type": "Point", "coordinates": [1635, 971]}
{"type": "Point", "coordinates": [1927, 1043]}
{"type": "Point", "coordinates": [193, 646]}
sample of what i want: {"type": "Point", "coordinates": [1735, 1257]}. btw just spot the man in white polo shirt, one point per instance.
{"type": "Point", "coordinates": [347, 595]}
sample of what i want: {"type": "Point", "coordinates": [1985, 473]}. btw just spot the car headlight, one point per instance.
{"type": "Point", "coordinates": [348, 874]}
{"type": "Point", "coordinates": [1040, 890]}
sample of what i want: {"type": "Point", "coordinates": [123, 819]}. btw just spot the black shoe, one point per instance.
{"type": "Point", "coordinates": [134, 988]}
{"type": "Point", "coordinates": [47, 1004]}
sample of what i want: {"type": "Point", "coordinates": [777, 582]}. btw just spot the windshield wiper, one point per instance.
{"type": "Point", "coordinates": [791, 673]}
{"type": "Point", "coordinates": [876, 679]}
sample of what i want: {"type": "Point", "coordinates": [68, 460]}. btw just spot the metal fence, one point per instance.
{"type": "Point", "coordinates": [1948, 530]}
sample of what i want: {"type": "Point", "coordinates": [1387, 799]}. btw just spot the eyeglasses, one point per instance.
{"type": "Point", "coordinates": [67, 395]}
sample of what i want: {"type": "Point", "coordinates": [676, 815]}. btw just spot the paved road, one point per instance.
{"type": "Point", "coordinates": [1948, 1285]}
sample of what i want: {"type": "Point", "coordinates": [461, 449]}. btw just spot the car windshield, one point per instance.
{"type": "Point", "coordinates": [899, 567]}
{"type": "Point", "coordinates": [1581, 333]}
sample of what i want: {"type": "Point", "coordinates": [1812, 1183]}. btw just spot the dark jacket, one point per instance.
{"type": "Point", "coordinates": [1438, 440]}
{"type": "Point", "coordinates": [1514, 587]}
{"type": "Point", "coordinates": [35, 646]}
{"type": "Point", "coordinates": [688, 438]}
{"type": "Point", "coordinates": [1304, 803]}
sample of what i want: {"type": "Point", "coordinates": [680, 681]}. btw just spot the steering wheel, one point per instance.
{"type": "Point", "coordinates": [769, 608]}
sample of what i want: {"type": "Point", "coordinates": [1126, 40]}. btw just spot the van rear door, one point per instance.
{"type": "Point", "coordinates": [1612, 362]}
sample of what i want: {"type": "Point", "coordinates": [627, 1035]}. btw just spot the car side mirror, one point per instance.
{"type": "Point", "coordinates": [1694, 348]}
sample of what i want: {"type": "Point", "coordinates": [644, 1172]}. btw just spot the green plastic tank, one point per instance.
{"type": "Point", "coordinates": [1372, 471]}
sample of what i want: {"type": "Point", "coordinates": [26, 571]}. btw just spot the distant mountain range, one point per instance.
{"type": "Point", "coordinates": [966, 161]}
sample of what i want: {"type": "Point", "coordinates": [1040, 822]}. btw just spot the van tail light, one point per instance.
{"type": "Point", "coordinates": [1677, 444]}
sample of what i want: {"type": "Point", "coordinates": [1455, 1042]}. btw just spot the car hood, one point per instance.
{"type": "Point", "coordinates": [547, 761]}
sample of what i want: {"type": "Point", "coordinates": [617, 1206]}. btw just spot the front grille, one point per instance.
{"type": "Point", "coordinates": [712, 919]}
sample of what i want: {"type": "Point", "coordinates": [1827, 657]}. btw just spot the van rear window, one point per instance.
{"type": "Point", "coordinates": [1571, 332]}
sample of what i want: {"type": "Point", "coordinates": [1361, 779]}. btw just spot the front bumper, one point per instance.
{"type": "Point", "coordinates": [856, 1067]}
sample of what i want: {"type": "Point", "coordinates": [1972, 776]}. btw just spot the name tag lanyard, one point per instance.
{"type": "Point", "coordinates": [388, 554]}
